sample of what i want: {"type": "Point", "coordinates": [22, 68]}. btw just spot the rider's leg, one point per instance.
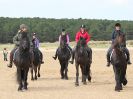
{"type": "Point", "coordinates": [73, 54]}
{"type": "Point", "coordinates": [89, 50]}
{"type": "Point", "coordinates": [41, 56]}
{"type": "Point", "coordinates": [128, 55]}
{"type": "Point", "coordinates": [56, 54]}
{"type": "Point", "coordinates": [11, 57]}
{"type": "Point", "coordinates": [108, 56]}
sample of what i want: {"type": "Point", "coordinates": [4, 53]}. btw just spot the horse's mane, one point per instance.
{"type": "Point", "coordinates": [81, 42]}
{"type": "Point", "coordinates": [116, 42]}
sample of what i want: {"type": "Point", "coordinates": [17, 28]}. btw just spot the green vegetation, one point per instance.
{"type": "Point", "coordinates": [48, 30]}
{"type": "Point", "coordinates": [92, 44]}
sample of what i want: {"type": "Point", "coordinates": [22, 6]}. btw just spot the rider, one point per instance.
{"type": "Point", "coordinates": [63, 33]}
{"type": "Point", "coordinates": [114, 34]}
{"type": "Point", "coordinates": [82, 33]}
{"type": "Point", "coordinates": [35, 42]}
{"type": "Point", "coordinates": [16, 40]}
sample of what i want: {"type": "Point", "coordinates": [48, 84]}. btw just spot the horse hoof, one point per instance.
{"type": "Point", "coordinates": [19, 88]}
{"type": "Point", "coordinates": [62, 77]}
{"type": "Point", "coordinates": [35, 78]}
{"type": "Point", "coordinates": [124, 82]}
{"type": "Point", "coordinates": [76, 84]}
{"type": "Point", "coordinates": [38, 75]}
{"type": "Point", "coordinates": [66, 78]}
{"type": "Point", "coordinates": [32, 79]}
{"type": "Point", "coordinates": [84, 83]}
{"type": "Point", "coordinates": [118, 89]}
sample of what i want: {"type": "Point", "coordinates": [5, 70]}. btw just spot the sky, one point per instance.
{"type": "Point", "coordinates": [86, 9]}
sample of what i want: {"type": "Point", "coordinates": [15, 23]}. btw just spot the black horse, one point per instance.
{"type": "Point", "coordinates": [82, 58]}
{"type": "Point", "coordinates": [64, 55]}
{"type": "Point", "coordinates": [36, 65]}
{"type": "Point", "coordinates": [22, 60]}
{"type": "Point", "coordinates": [118, 60]}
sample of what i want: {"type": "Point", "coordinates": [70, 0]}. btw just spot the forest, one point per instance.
{"type": "Point", "coordinates": [48, 29]}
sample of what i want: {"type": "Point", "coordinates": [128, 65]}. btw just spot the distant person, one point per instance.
{"type": "Point", "coordinates": [116, 32]}
{"type": "Point", "coordinates": [67, 39]}
{"type": "Point", "coordinates": [35, 42]}
{"type": "Point", "coordinates": [5, 53]}
{"type": "Point", "coordinates": [84, 34]}
{"type": "Point", "coordinates": [16, 40]}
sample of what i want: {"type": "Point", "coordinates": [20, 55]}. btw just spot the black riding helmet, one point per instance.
{"type": "Point", "coordinates": [117, 25]}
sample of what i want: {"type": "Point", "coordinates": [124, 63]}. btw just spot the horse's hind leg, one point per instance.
{"type": "Point", "coordinates": [19, 79]}
{"type": "Point", "coordinates": [123, 76]}
{"type": "Point", "coordinates": [88, 73]}
{"type": "Point", "coordinates": [66, 70]}
{"type": "Point", "coordinates": [35, 69]}
{"type": "Point", "coordinates": [77, 75]}
{"type": "Point", "coordinates": [32, 78]}
{"type": "Point", "coordinates": [39, 70]}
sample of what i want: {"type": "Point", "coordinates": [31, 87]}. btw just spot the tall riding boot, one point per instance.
{"type": "Point", "coordinates": [108, 57]}
{"type": "Point", "coordinates": [11, 59]}
{"type": "Point", "coordinates": [128, 56]}
{"type": "Point", "coordinates": [90, 55]}
{"type": "Point", "coordinates": [73, 54]}
{"type": "Point", "coordinates": [41, 57]}
{"type": "Point", "coordinates": [55, 57]}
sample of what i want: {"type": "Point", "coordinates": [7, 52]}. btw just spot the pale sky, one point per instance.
{"type": "Point", "coordinates": [90, 9]}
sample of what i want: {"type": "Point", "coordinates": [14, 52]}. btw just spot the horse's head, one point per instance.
{"type": "Point", "coordinates": [63, 42]}
{"type": "Point", "coordinates": [120, 42]}
{"type": "Point", "coordinates": [81, 42]}
{"type": "Point", "coordinates": [24, 43]}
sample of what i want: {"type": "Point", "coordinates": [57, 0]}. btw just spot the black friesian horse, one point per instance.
{"type": "Point", "coordinates": [118, 60]}
{"type": "Point", "coordinates": [64, 55]}
{"type": "Point", "coordinates": [82, 58]}
{"type": "Point", "coordinates": [22, 61]}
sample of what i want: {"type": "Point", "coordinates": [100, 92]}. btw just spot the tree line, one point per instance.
{"type": "Point", "coordinates": [48, 29]}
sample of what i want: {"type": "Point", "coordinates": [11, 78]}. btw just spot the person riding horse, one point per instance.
{"type": "Point", "coordinates": [35, 42]}
{"type": "Point", "coordinates": [16, 41]}
{"type": "Point", "coordinates": [116, 32]}
{"type": "Point", "coordinates": [64, 36]}
{"type": "Point", "coordinates": [84, 34]}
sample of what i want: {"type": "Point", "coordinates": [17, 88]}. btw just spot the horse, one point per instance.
{"type": "Point", "coordinates": [82, 58]}
{"type": "Point", "coordinates": [36, 65]}
{"type": "Point", "coordinates": [64, 56]}
{"type": "Point", "coordinates": [118, 60]}
{"type": "Point", "coordinates": [22, 60]}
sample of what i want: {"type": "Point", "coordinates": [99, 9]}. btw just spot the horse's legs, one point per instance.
{"type": "Point", "coordinates": [39, 70]}
{"type": "Point", "coordinates": [84, 74]}
{"type": "Point", "coordinates": [25, 78]}
{"type": "Point", "coordinates": [77, 74]}
{"type": "Point", "coordinates": [19, 79]}
{"type": "Point", "coordinates": [66, 70]}
{"type": "Point", "coordinates": [118, 86]}
{"type": "Point", "coordinates": [88, 73]}
{"type": "Point", "coordinates": [123, 75]}
{"type": "Point", "coordinates": [35, 70]}
{"type": "Point", "coordinates": [32, 78]}
{"type": "Point", "coordinates": [61, 70]}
